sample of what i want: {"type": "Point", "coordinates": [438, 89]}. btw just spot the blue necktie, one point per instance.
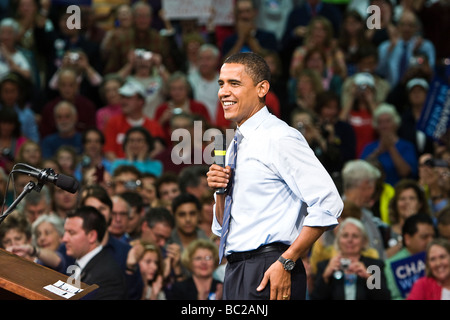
{"type": "Point", "coordinates": [228, 197]}
{"type": "Point", "coordinates": [403, 66]}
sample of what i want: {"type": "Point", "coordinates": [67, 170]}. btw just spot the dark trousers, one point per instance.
{"type": "Point", "coordinates": [244, 274]}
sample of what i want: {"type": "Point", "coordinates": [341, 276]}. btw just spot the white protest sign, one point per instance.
{"type": "Point", "coordinates": [187, 9]}
{"type": "Point", "coordinates": [223, 10]}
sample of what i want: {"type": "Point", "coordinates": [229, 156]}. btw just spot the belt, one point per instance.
{"type": "Point", "coordinates": [271, 247]}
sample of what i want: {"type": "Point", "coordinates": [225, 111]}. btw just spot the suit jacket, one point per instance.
{"type": "Point", "coordinates": [334, 289]}
{"type": "Point", "coordinates": [103, 270]}
{"type": "Point", "coordinates": [186, 290]}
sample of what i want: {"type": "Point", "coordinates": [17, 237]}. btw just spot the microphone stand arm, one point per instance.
{"type": "Point", "coordinates": [27, 189]}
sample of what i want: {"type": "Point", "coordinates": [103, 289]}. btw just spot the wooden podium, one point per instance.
{"type": "Point", "coordinates": [23, 279]}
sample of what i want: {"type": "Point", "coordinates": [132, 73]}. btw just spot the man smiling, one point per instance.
{"type": "Point", "coordinates": [282, 199]}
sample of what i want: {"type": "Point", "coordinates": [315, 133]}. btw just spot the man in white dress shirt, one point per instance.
{"type": "Point", "coordinates": [282, 197]}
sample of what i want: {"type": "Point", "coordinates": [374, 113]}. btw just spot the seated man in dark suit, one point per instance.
{"type": "Point", "coordinates": [84, 230]}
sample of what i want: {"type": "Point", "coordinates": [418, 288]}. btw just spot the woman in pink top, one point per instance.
{"type": "Point", "coordinates": [436, 284]}
{"type": "Point", "coordinates": [109, 92]}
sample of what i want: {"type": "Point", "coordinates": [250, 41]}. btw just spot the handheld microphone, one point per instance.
{"type": "Point", "coordinates": [62, 181]}
{"type": "Point", "coordinates": [220, 150]}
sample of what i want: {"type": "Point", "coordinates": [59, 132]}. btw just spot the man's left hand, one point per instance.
{"type": "Point", "coordinates": [280, 282]}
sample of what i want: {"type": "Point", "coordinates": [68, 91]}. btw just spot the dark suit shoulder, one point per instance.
{"type": "Point", "coordinates": [104, 271]}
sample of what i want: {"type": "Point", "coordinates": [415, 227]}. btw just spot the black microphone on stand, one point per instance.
{"type": "Point", "coordinates": [62, 181]}
{"type": "Point", "coordinates": [220, 150]}
{"type": "Point", "coordinates": [42, 175]}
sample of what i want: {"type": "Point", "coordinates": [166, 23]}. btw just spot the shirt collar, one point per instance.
{"type": "Point", "coordinates": [84, 260]}
{"type": "Point", "coordinates": [252, 123]}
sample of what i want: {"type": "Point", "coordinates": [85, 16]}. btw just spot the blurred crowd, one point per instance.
{"type": "Point", "coordinates": [108, 103]}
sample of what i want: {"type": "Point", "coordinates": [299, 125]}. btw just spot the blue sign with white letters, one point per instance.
{"type": "Point", "coordinates": [407, 271]}
{"type": "Point", "coordinates": [435, 117]}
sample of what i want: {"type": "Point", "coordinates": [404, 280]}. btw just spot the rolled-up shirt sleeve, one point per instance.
{"type": "Point", "coordinates": [279, 187]}
{"type": "Point", "coordinates": [308, 180]}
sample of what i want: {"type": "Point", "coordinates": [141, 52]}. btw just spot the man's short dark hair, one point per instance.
{"type": "Point", "coordinates": [255, 65]}
{"type": "Point", "coordinates": [410, 224]}
{"type": "Point", "coordinates": [159, 215]}
{"type": "Point", "coordinates": [125, 168]}
{"type": "Point", "coordinates": [134, 199]}
{"type": "Point", "coordinates": [191, 176]}
{"type": "Point", "coordinates": [185, 198]}
{"type": "Point", "coordinates": [92, 220]}
{"type": "Point", "coordinates": [166, 177]}
{"type": "Point", "coordinates": [99, 193]}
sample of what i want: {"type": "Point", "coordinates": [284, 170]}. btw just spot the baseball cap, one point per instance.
{"type": "Point", "coordinates": [364, 79]}
{"type": "Point", "coordinates": [417, 82]}
{"type": "Point", "coordinates": [132, 87]}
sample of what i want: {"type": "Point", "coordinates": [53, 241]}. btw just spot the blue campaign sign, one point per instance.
{"type": "Point", "coordinates": [407, 271]}
{"type": "Point", "coordinates": [435, 117]}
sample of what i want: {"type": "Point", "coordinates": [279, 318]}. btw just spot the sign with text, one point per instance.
{"type": "Point", "coordinates": [434, 120]}
{"type": "Point", "coordinates": [407, 271]}
{"type": "Point", "coordinates": [187, 9]}
{"type": "Point", "coordinates": [222, 10]}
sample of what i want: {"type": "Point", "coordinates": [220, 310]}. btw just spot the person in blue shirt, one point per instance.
{"type": "Point", "coordinates": [137, 145]}
{"type": "Point", "coordinates": [397, 156]}
{"type": "Point", "coordinates": [396, 54]}
{"type": "Point", "coordinates": [283, 199]}
{"type": "Point", "coordinates": [66, 119]}
{"type": "Point", "coordinates": [93, 160]}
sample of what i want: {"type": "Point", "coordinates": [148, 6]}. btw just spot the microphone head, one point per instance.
{"type": "Point", "coordinates": [67, 183]}
{"type": "Point", "coordinates": [220, 149]}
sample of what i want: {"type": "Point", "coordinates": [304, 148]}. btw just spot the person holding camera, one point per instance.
{"type": "Point", "coordinates": [94, 167]}
{"type": "Point", "coordinates": [147, 68]}
{"type": "Point", "coordinates": [139, 35]}
{"type": "Point", "coordinates": [345, 276]}
{"type": "Point", "coordinates": [359, 107]}
{"type": "Point", "coordinates": [88, 78]}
